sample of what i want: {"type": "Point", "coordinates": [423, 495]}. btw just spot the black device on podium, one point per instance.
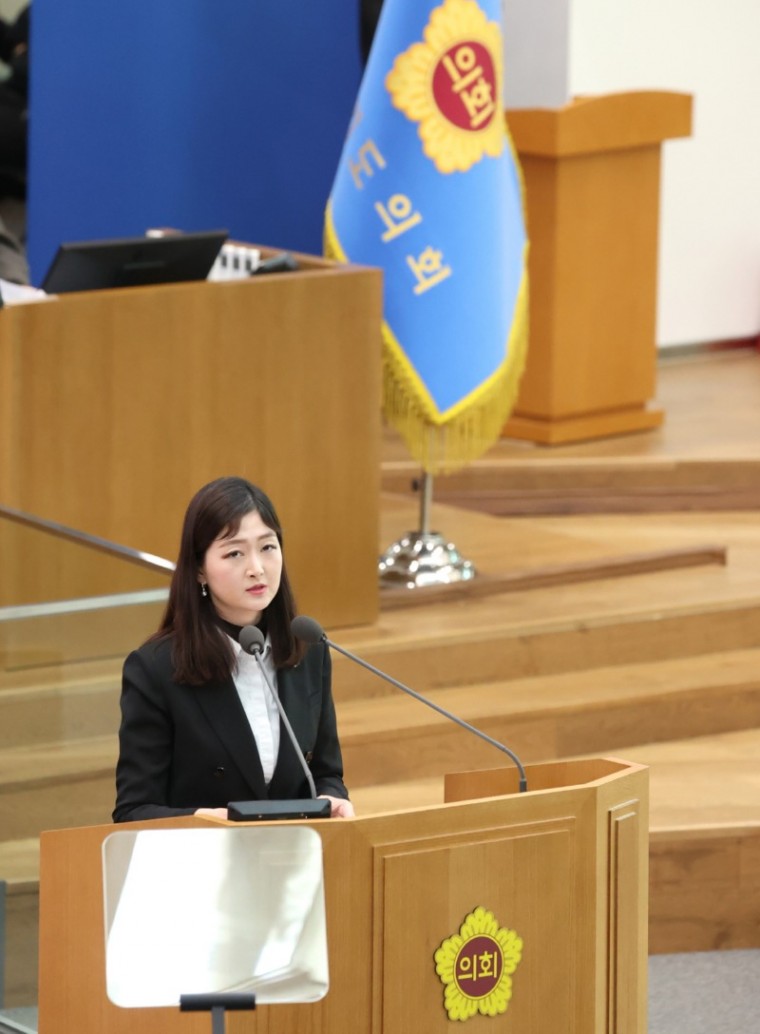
{"type": "Point", "coordinates": [133, 261]}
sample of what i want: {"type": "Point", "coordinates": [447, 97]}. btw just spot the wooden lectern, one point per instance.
{"type": "Point", "coordinates": [592, 183]}
{"type": "Point", "coordinates": [561, 868]}
{"type": "Point", "coordinates": [116, 406]}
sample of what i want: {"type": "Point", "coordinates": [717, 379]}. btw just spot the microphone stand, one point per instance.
{"type": "Point", "coordinates": [523, 785]}
{"type": "Point", "coordinates": [252, 642]}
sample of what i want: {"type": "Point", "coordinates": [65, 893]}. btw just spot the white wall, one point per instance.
{"type": "Point", "coordinates": [536, 53]}
{"type": "Point", "coordinates": [709, 283]}
{"type": "Point", "coordinates": [709, 277]}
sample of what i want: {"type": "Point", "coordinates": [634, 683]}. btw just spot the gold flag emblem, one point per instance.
{"type": "Point", "coordinates": [450, 84]}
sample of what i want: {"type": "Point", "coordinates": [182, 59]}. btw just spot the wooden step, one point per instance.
{"type": "Point", "coordinates": [98, 634]}
{"type": "Point", "coordinates": [604, 709]}
{"type": "Point", "coordinates": [429, 651]}
{"type": "Point", "coordinates": [527, 483]}
{"type": "Point", "coordinates": [704, 784]}
{"type": "Point", "coordinates": [393, 737]}
{"type": "Point", "coordinates": [615, 620]}
{"type": "Point", "coordinates": [54, 706]}
{"type": "Point", "coordinates": [554, 632]}
{"type": "Point", "coordinates": [20, 861]}
{"type": "Point", "coordinates": [56, 786]}
{"type": "Point", "coordinates": [77, 704]}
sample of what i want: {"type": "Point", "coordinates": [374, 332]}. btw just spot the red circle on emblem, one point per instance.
{"type": "Point", "coordinates": [464, 86]}
{"type": "Point", "coordinates": [478, 966]}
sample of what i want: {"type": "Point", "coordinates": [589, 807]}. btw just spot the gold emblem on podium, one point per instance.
{"type": "Point", "coordinates": [450, 84]}
{"type": "Point", "coordinates": [476, 966]}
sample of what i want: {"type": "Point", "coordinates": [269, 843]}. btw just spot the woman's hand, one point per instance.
{"type": "Point", "coordinates": [212, 813]}
{"type": "Point", "coordinates": [340, 808]}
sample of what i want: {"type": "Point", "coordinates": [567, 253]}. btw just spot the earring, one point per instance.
{"type": "Point", "coordinates": [204, 591]}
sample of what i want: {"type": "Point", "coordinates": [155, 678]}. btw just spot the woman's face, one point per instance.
{"type": "Point", "coordinates": [243, 571]}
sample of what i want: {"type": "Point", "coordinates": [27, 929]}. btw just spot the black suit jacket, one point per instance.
{"type": "Point", "coordinates": [186, 747]}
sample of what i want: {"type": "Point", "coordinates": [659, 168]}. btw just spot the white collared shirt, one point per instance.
{"type": "Point", "coordinates": [259, 707]}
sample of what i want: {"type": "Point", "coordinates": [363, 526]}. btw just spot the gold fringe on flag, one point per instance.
{"type": "Point", "coordinates": [443, 442]}
{"type": "Point", "coordinates": [447, 442]}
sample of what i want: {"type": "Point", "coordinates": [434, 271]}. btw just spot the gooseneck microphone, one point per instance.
{"type": "Point", "coordinates": [252, 641]}
{"type": "Point", "coordinates": [310, 631]}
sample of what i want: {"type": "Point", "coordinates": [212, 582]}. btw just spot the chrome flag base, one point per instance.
{"type": "Point", "coordinates": [422, 559]}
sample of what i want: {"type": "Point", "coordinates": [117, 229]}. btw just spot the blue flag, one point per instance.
{"type": "Point", "coordinates": [428, 187]}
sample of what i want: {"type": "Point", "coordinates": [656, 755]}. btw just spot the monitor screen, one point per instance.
{"type": "Point", "coordinates": [133, 261]}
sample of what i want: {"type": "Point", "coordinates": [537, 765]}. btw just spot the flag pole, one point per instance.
{"type": "Point", "coordinates": [426, 499]}
{"type": "Point", "coordinates": [424, 557]}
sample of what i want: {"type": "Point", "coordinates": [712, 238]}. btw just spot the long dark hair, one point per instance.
{"type": "Point", "coordinates": [200, 650]}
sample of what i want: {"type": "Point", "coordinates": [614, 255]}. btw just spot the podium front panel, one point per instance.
{"type": "Point", "coordinates": [427, 894]}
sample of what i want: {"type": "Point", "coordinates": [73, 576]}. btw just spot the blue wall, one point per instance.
{"type": "Point", "coordinates": [195, 114]}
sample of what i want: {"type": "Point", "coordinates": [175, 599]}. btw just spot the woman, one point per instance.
{"type": "Point", "coordinates": [199, 726]}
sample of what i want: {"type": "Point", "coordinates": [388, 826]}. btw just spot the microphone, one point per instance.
{"type": "Point", "coordinates": [252, 641]}
{"type": "Point", "coordinates": [310, 631]}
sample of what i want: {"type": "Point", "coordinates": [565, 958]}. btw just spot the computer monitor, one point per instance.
{"type": "Point", "coordinates": [133, 261]}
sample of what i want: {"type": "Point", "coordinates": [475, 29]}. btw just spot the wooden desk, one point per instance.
{"type": "Point", "coordinates": [116, 406]}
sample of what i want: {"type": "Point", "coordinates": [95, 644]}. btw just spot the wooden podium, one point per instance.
{"type": "Point", "coordinates": [116, 406]}
{"type": "Point", "coordinates": [592, 184]}
{"type": "Point", "coordinates": [562, 867]}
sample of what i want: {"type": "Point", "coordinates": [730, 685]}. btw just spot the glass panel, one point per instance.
{"type": "Point", "coordinates": [70, 611]}
{"type": "Point", "coordinates": [207, 911]}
